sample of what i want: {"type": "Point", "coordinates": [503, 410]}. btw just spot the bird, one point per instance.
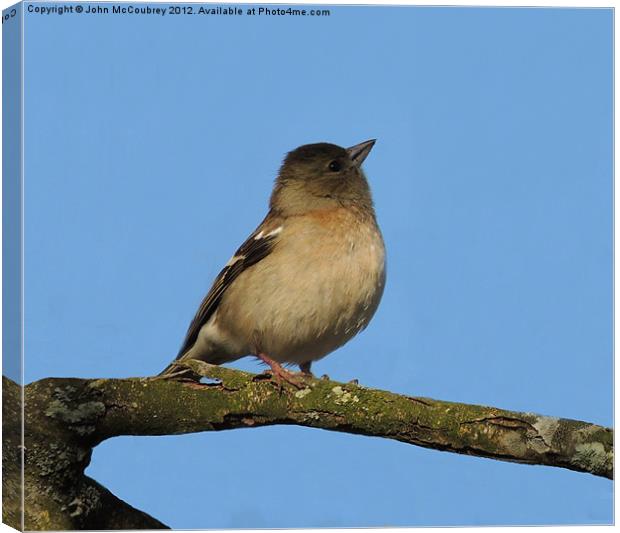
{"type": "Point", "coordinates": [307, 280]}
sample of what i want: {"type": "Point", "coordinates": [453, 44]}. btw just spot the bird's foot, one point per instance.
{"type": "Point", "coordinates": [305, 370]}
{"type": "Point", "coordinates": [280, 374]}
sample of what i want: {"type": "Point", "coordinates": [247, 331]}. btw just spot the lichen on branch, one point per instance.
{"type": "Point", "coordinates": [67, 417]}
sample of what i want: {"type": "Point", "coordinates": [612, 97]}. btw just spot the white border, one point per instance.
{"type": "Point", "coordinates": [479, 3]}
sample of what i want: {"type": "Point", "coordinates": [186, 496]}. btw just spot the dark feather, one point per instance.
{"type": "Point", "coordinates": [249, 253]}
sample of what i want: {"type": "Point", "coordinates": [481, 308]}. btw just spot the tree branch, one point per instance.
{"type": "Point", "coordinates": [66, 418]}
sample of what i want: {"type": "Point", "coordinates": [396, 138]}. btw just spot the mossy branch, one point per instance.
{"type": "Point", "coordinates": [66, 418]}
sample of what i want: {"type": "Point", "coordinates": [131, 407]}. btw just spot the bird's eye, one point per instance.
{"type": "Point", "coordinates": [334, 166]}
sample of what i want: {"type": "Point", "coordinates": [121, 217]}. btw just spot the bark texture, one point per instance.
{"type": "Point", "coordinates": [66, 418]}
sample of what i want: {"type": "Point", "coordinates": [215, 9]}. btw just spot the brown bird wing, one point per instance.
{"type": "Point", "coordinates": [257, 246]}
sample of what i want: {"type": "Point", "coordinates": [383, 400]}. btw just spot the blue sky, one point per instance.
{"type": "Point", "coordinates": [151, 146]}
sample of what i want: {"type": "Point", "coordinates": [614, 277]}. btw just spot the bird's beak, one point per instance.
{"type": "Point", "coordinates": [360, 151]}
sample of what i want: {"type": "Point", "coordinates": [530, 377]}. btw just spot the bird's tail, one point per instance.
{"type": "Point", "coordinates": [170, 369]}
{"type": "Point", "coordinates": [174, 366]}
{"type": "Point", "coordinates": [214, 358]}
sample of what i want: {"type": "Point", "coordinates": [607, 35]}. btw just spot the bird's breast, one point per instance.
{"type": "Point", "coordinates": [319, 287]}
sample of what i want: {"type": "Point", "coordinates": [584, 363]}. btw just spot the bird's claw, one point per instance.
{"type": "Point", "coordinates": [281, 375]}
{"type": "Point", "coordinates": [285, 376]}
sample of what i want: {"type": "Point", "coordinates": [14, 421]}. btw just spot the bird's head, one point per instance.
{"type": "Point", "coordinates": [322, 175]}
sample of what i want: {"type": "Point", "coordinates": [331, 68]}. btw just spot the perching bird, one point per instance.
{"type": "Point", "coordinates": [308, 279]}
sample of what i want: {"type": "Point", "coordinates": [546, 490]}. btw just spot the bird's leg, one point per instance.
{"type": "Point", "coordinates": [278, 372]}
{"type": "Point", "coordinates": [305, 369]}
